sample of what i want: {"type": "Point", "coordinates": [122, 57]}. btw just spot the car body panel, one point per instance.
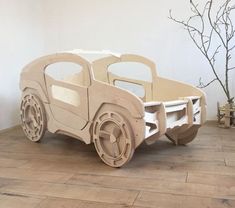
{"type": "Point", "coordinates": [73, 115]}
{"type": "Point", "coordinates": [161, 110]}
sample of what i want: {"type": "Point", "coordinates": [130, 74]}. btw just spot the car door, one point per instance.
{"type": "Point", "coordinates": [67, 85]}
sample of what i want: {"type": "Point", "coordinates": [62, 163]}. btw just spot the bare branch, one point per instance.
{"type": "Point", "coordinates": [231, 35]}
{"type": "Point", "coordinates": [202, 85]}
{"type": "Point", "coordinates": [209, 41]}
{"type": "Point", "coordinates": [222, 27]}
{"type": "Point", "coordinates": [206, 7]}
{"type": "Point", "coordinates": [213, 25]}
{"type": "Point", "coordinates": [216, 51]}
{"type": "Point", "coordinates": [183, 23]}
{"type": "Point", "coordinates": [230, 49]}
{"type": "Point", "coordinates": [231, 68]}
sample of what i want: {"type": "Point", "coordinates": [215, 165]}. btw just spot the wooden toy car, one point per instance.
{"type": "Point", "coordinates": [116, 112]}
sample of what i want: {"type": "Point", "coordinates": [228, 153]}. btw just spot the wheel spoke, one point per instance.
{"type": "Point", "coordinates": [27, 120]}
{"type": "Point", "coordinates": [127, 141]}
{"type": "Point", "coordinates": [116, 132]}
{"type": "Point", "coordinates": [104, 134]}
{"type": "Point", "coordinates": [32, 110]}
{"type": "Point", "coordinates": [35, 123]}
{"type": "Point", "coordinates": [116, 151]}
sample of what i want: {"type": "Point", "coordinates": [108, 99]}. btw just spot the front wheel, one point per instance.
{"type": "Point", "coordinates": [113, 139]}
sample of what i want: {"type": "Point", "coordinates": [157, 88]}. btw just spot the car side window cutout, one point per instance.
{"type": "Point", "coordinates": [130, 76]}
{"type": "Point", "coordinates": [131, 70]}
{"type": "Point", "coordinates": [134, 88]}
{"type": "Point", "coordinates": [68, 72]}
{"type": "Point", "coordinates": [65, 95]}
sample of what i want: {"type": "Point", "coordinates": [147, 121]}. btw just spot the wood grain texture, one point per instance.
{"type": "Point", "coordinates": [65, 173]}
{"type": "Point", "coordinates": [53, 202]}
{"type": "Point", "coordinates": [8, 200]}
{"type": "Point", "coordinates": [158, 200]}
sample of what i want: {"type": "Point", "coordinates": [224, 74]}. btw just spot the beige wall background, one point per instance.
{"type": "Point", "coordinates": [21, 40]}
{"type": "Point", "coordinates": [32, 28]}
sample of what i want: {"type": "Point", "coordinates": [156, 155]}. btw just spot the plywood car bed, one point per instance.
{"type": "Point", "coordinates": [115, 111]}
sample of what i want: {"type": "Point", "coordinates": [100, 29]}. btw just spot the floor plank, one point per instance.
{"type": "Point", "coordinates": [109, 195]}
{"type": "Point", "coordinates": [7, 163]}
{"type": "Point", "coordinates": [159, 200]}
{"type": "Point", "coordinates": [211, 179]}
{"type": "Point", "coordinates": [19, 201]}
{"type": "Point", "coordinates": [53, 202]}
{"type": "Point", "coordinates": [63, 172]}
{"type": "Point", "coordinates": [196, 189]}
{"type": "Point", "coordinates": [34, 175]}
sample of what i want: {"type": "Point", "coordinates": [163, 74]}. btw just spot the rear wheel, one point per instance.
{"type": "Point", "coordinates": [187, 136]}
{"type": "Point", "coordinates": [184, 137]}
{"type": "Point", "coordinates": [113, 139]}
{"type": "Point", "coordinates": [33, 116]}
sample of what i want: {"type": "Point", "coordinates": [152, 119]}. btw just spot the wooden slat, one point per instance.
{"type": "Point", "coordinates": [230, 162]}
{"type": "Point", "coordinates": [63, 172]}
{"type": "Point", "coordinates": [211, 179]}
{"type": "Point", "coordinates": [155, 200]}
{"type": "Point", "coordinates": [52, 202]}
{"type": "Point", "coordinates": [4, 162]}
{"type": "Point", "coordinates": [195, 189]}
{"type": "Point", "coordinates": [108, 195]}
{"type": "Point", "coordinates": [34, 175]}
{"type": "Point", "coordinates": [8, 200]}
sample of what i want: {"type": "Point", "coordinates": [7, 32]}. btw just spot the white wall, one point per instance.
{"type": "Point", "coordinates": [140, 27]}
{"type": "Point", "coordinates": [20, 41]}
{"type": "Point", "coordinates": [136, 26]}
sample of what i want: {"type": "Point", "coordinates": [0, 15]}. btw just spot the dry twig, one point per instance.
{"type": "Point", "coordinates": [220, 27]}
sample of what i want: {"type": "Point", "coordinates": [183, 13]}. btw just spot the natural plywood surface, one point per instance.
{"type": "Point", "coordinates": [116, 112]}
{"type": "Point", "coordinates": [63, 172]}
{"type": "Point", "coordinates": [178, 201]}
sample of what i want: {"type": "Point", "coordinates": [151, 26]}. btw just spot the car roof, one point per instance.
{"type": "Point", "coordinates": [94, 58]}
{"type": "Point", "coordinates": [93, 55]}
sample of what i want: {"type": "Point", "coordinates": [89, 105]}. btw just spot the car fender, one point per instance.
{"type": "Point", "coordinates": [137, 125]}
{"type": "Point", "coordinates": [102, 93]}
{"type": "Point", "coordinates": [24, 84]}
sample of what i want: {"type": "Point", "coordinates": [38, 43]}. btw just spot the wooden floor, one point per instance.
{"type": "Point", "coordinates": [61, 172]}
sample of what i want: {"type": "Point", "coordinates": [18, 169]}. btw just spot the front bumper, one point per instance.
{"type": "Point", "coordinates": [161, 117]}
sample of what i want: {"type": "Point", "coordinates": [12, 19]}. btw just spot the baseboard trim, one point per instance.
{"type": "Point", "coordinates": [10, 128]}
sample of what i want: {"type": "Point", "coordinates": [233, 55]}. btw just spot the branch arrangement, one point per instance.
{"type": "Point", "coordinates": [213, 36]}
